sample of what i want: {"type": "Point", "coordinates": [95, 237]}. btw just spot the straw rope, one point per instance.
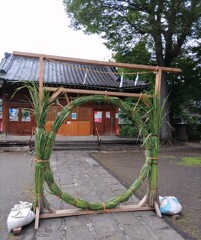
{"type": "Point", "coordinates": [37, 160]}
{"type": "Point", "coordinates": [96, 71]}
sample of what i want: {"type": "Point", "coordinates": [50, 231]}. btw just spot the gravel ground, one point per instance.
{"type": "Point", "coordinates": [16, 183]}
{"type": "Point", "coordinates": [176, 180]}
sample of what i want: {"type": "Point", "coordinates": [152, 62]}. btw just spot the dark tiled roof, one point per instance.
{"type": "Point", "coordinates": [17, 68]}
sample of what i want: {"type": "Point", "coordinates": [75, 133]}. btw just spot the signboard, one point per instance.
{"type": "Point", "coordinates": [107, 114]}
{"type": "Point", "coordinates": [97, 117]}
{"type": "Point", "coordinates": [74, 116]}
{"type": "Point", "coordinates": [26, 115]}
{"type": "Point", "coordinates": [13, 114]}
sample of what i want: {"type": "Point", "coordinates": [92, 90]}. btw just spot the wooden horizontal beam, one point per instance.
{"type": "Point", "coordinates": [89, 92]}
{"type": "Point", "coordinates": [17, 231]}
{"type": "Point", "coordinates": [78, 212]}
{"type": "Point", "coordinates": [98, 63]}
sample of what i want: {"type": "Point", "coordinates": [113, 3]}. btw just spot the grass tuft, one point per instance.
{"type": "Point", "coordinates": [190, 162]}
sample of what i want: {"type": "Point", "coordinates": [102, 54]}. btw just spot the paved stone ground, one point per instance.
{"type": "Point", "coordinates": [77, 173]}
{"type": "Point", "coordinates": [175, 179]}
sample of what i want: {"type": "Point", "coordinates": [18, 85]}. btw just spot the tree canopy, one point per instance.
{"type": "Point", "coordinates": [185, 90]}
{"type": "Point", "coordinates": [165, 25]}
{"type": "Point", "coordinates": [161, 29]}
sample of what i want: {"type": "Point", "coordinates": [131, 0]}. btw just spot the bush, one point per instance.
{"type": "Point", "coordinates": [128, 131]}
{"type": "Point", "coordinates": [194, 132]}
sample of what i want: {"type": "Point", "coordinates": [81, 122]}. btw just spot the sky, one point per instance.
{"type": "Point", "coordinates": [42, 26]}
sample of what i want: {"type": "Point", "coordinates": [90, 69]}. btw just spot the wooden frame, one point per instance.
{"type": "Point", "coordinates": [142, 205]}
{"type": "Point", "coordinates": [98, 63]}
{"type": "Point", "coordinates": [156, 69]}
{"type": "Point", "coordinates": [57, 92]}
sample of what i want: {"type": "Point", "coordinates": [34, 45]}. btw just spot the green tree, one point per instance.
{"type": "Point", "coordinates": [140, 55]}
{"type": "Point", "coordinates": [165, 26]}
{"type": "Point", "coordinates": [185, 95]}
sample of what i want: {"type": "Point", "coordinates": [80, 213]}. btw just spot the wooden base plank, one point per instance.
{"type": "Point", "coordinates": [77, 212]}
{"type": "Point", "coordinates": [17, 231]}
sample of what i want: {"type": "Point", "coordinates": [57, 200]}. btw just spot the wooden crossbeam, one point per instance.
{"type": "Point", "coordinates": [99, 63]}
{"type": "Point", "coordinates": [78, 212]}
{"type": "Point", "coordinates": [95, 92]}
{"type": "Point", "coordinates": [141, 206]}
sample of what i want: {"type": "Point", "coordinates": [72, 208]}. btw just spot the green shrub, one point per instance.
{"type": "Point", "coordinates": [128, 131]}
{"type": "Point", "coordinates": [194, 132]}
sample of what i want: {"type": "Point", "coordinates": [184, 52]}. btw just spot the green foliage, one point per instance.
{"type": "Point", "coordinates": [185, 95]}
{"type": "Point", "coordinates": [128, 131]}
{"type": "Point", "coordinates": [190, 162]}
{"type": "Point", "coordinates": [145, 32]}
{"type": "Point", "coordinates": [194, 131]}
{"type": "Point", "coordinates": [138, 55]}
{"type": "Point", "coordinates": [164, 25]}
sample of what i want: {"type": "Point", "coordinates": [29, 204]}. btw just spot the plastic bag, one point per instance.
{"type": "Point", "coordinates": [169, 205]}
{"type": "Point", "coordinates": [20, 215]}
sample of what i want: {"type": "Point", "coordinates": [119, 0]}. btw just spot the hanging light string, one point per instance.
{"type": "Point", "coordinates": [97, 71]}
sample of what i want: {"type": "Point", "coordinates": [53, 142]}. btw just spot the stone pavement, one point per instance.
{"type": "Point", "coordinates": [78, 174]}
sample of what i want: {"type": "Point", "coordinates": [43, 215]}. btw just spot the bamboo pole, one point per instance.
{"type": "Point", "coordinates": [98, 63]}
{"type": "Point", "coordinates": [78, 212]}
{"type": "Point", "coordinates": [93, 92]}
{"type": "Point", "coordinates": [40, 81]}
{"type": "Point", "coordinates": [158, 82]}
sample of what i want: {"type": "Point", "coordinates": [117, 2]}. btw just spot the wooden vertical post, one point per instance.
{"type": "Point", "coordinates": [158, 82]}
{"type": "Point", "coordinates": [40, 81]}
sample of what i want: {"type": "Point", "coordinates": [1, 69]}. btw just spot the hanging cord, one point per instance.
{"type": "Point", "coordinates": [122, 78]}
{"type": "Point", "coordinates": [136, 79]}
{"type": "Point", "coordinates": [97, 71]}
{"type": "Point", "coordinates": [85, 76]}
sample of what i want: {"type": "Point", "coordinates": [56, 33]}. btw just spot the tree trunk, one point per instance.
{"type": "Point", "coordinates": [166, 130]}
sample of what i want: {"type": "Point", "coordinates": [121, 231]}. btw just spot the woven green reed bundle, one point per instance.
{"type": "Point", "coordinates": [145, 119]}
{"type": "Point", "coordinates": [153, 118]}
{"type": "Point", "coordinates": [148, 118]}
{"type": "Point", "coordinates": [41, 163]}
{"type": "Point", "coordinates": [112, 203]}
{"type": "Point", "coordinates": [80, 203]}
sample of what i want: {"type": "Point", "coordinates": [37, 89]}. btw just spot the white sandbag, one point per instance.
{"type": "Point", "coordinates": [20, 215]}
{"type": "Point", "coordinates": [169, 205]}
